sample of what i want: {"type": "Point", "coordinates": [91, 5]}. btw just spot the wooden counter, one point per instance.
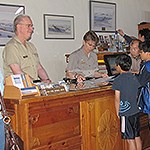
{"type": "Point", "coordinates": [78, 120]}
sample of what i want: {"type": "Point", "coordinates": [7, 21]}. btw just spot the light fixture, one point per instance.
{"type": "Point", "coordinates": [19, 10]}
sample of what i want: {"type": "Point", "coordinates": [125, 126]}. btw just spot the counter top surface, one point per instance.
{"type": "Point", "coordinates": [63, 95]}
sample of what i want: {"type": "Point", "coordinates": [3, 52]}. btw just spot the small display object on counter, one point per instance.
{"type": "Point", "coordinates": [51, 88]}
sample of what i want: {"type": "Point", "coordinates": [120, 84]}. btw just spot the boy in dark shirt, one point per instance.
{"type": "Point", "coordinates": [126, 88]}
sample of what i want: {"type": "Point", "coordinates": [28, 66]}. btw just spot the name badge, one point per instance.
{"type": "Point", "coordinates": [25, 56]}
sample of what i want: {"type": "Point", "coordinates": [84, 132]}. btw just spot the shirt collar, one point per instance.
{"type": "Point", "coordinates": [17, 39]}
{"type": "Point", "coordinates": [84, 52]}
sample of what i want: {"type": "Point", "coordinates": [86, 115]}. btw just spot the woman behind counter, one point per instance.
{"type": "Point", "coordinates": [83, 62]}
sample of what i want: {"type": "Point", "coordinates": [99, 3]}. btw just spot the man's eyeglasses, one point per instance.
{"type": "Point", "coordinates": [91, 45]}
{"type": "Point", "coordinates": [134, 49]}
{"type": "Point", "coordinates": [27, 25]}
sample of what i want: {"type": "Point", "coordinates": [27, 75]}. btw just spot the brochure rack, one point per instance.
{"type": "Point", "coordinates": [19, 87]}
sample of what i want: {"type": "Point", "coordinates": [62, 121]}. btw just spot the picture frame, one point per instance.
{"type": "Point", "coordinates": [102, 16]}
{"type": "Point", "coordinates": [58, 26]}
{"type": "Point", "coordinates": [7, 15]}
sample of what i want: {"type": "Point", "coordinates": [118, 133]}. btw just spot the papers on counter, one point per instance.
{"type": "Point", "coordinates": [108, 79]}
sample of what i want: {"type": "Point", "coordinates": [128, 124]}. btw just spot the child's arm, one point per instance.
{"type": "Point", "coordinates": [117, 101]}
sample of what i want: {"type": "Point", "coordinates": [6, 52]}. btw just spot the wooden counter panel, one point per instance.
{"type": "Point", "coordinates": [53, 124]}
{"type": "Point", "coordinates": [145, 136]}
{"type": "Point", "coordinates": [54, 133]}
{"type": "Point", "coordinates": [67, 144]}
{"type": "Point", "coordinates": [102, 126]}
{"type": "Point", "coordinates": [145, 131]}
{"type": "Point", "coordinates": [58, 113]}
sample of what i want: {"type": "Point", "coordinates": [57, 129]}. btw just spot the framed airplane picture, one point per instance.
{"type": "Point", "coordinates": [58, 27]}
{"type": "Point", "coordinates": [102, 16]}
{"type": "Point", "coordinates": [7, 15]}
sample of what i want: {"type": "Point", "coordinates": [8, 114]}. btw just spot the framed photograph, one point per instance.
{"type": "Point", "coordinates": [58, 27]}
{"type": "Point", "coordinates": [102, 16]}
{"type": "Point", "coordinates": [7, 15]}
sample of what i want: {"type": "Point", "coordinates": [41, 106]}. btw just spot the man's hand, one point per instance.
{"type": "Point", "coordinates": [120, 31]}
{"type": "Point", "coordinates": [100, 74]}
{"type": "Point", "coordinates": [80, 78]}
{"type": "Point", "coordinates": [47, 81]}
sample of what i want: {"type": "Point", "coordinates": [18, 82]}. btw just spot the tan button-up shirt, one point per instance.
{"type": "Point", "coordinates": [135, 63]}
{"type": "Point", "coordinates": [79, 62]}
{"type": "Point", "coordinates": [26, 57]}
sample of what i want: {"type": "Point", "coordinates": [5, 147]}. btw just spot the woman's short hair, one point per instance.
{"type": "Point", "coordinates": [91, 35]}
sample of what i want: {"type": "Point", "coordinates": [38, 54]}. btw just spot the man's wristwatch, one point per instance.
{"type": "Point", "coordinates": [76, 76]}
{"type": "Point", "coordinates": [47, 80]}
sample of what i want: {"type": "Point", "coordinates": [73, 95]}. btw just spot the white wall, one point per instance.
{"type": "Point", "coordinates": [51, 52]}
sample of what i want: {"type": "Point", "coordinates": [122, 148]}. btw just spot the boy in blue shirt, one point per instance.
{"type": "Point", "coordinates": [144, 73]}
{"type": "Point", "coordinates": [126, 89]}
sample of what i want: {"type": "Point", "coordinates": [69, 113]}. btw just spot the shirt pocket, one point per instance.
{"type": "Point", "coordinates": [25, 61]}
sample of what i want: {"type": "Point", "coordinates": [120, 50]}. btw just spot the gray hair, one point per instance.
{"type": "Point", "coordinates": [18, 19]}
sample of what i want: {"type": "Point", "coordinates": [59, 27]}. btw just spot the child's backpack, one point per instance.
{"type": "Point", "coordinates": [144, 99]}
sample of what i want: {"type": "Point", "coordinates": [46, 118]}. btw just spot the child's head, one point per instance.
{"type": "Point", "coordinates": [144, 34]}
{"type": "Point", "coordinates": [123, 63]}
{"type": "Point", "coordinates": [134, 48]}
{"type": "Point", "coordinates": [145, 50]}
